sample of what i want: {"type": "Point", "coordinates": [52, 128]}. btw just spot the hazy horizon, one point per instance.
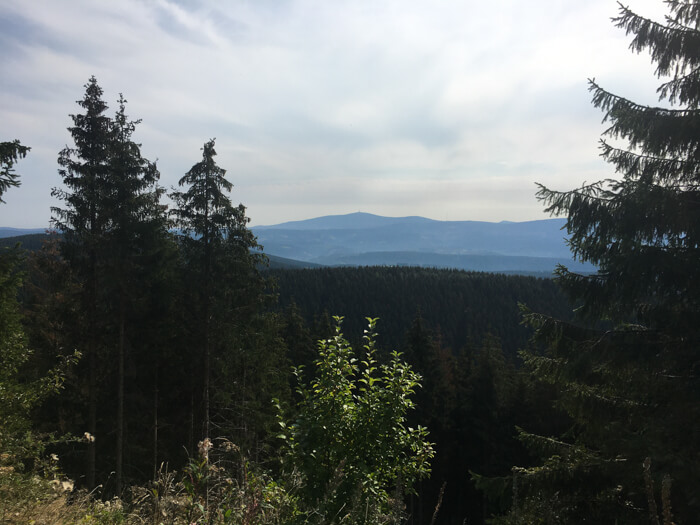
{"type": "Point", "coordinates": [23, 228]}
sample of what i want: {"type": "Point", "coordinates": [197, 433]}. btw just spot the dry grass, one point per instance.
{"type": "Point", "coordinates": [202, 494]}
{"type": "Point", "coordinates": [31, 500]}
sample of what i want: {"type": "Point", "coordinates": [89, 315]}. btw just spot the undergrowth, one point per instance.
{"type": "Point", "coordinates": [214, 488]}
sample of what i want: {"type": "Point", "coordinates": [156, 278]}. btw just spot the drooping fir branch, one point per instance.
{"type": "Point", "coordinates": [682, 89]}
{"type": "Point", "coordinates": [592, 206]}
{"type": "Point", "coordinates": [611, 104]}
{"type": "Point", "coordinates": [684, 174]}
{"type": "Point", "coordinates": [559, 202]}
{"type": "Point", "coordinates": [655, 131]}
{"type": "Point", "coordinates": [655, 297]}
{"type": "Point", "coordinates": [674, 46]}
{"type": "Point", "coordinates": [548, 328]}
{"type": "Point", "coordinates": [570, 339]}
{"type": "Point", "coordinates": [610, 210]}
{"type": "Point", "coordinates": [543, 444]}
{"type": "Point", "coordinates": [10, 153]}
{"type": "Point", "coordinates": [571, 467]}
{"type": "Point", "coordinates": [674, 49]}
{"type": "Point", "coordinates": [686, 12]}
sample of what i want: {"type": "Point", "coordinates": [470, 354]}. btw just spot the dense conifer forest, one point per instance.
{"type": "Point", "coordinates": [461, 307]}
{"type": "Point", "coordinates": [461, 331]}
{"type": "Point", "coordinates": [152, 371]}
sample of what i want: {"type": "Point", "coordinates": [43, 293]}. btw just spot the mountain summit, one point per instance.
{"type": "Point", "coordinates": [349, 221]}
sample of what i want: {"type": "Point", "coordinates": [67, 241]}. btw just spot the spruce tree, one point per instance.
{"type": "Point", "coordinates": [112, 224]}
{"type": "Point", "coordinates": [629, 378]}
{"type": "Point", "coordinates": [137, 231]}
{"type": "Point", "coordinates": [85, 170]}
{"type": "Point", "coordinates": [216, 246]}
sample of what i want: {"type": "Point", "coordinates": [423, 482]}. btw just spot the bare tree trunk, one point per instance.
{"type": "Point", "coordinates": [92, 413]}
{"type": "Point", "coordinates": [191, 440]}
{"type": "Point", "coordinates": [92, 370]}
{"type": "Point", "coordinates": [207, 369]}
{"type": "Point", "coordinates": [118, 471]}
{"type": "Point", "coordinates": [155, 422]}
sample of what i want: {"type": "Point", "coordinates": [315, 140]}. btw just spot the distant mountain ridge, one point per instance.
{"type": "Point", "coordinates": [359, 239]}
{"type": "Point", "coordinates": [16, 232]}
{"type": "Point", "coordinates": [351, 221]}
{"type": "Point", "coordinates": [364, 239]}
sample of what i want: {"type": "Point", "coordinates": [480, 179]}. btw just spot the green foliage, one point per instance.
{"type": "Point", "coordinates": [10, 153]}
{"type": "Point", "coordinates": [17, 397]}
{"type": "Point", "coordinates": [350, 443]}
{"type": "Point", "coordinates": [21, 391]}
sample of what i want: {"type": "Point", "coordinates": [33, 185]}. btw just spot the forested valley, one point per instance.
{"type": "Point", "coordinates": [461, 332]}
{"type": "Point", "coordinates": [153, 370]}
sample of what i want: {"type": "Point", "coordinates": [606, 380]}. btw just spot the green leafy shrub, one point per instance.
{"type": "Point", "coordinates": [349, 446]}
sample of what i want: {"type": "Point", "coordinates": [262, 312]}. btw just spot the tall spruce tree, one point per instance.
{"type": "Point", "coordinates": [111, 223]}
{"type": "Point", "coordinates": [215, 240]}
{"type": "Point", "coordinates": [138, 226]}
{"type": "Point", "coordinates": [631, 390]}
{"type": "Point", "coordinates": [85, 170]}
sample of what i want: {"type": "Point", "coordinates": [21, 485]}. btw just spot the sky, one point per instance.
{"type": "Point", "coordinates": [446, 109]}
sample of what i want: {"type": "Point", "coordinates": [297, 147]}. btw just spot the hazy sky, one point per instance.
{"type": "Point", "coordinates": [446, 109]}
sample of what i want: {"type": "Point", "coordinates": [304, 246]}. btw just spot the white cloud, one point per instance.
{"type": "Point", "coordinates": [393, 107]}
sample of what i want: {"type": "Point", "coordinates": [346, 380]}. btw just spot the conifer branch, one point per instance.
{"type": "Point", "coordinates": [669, 47]}
{"type": "Point", "coordinates": [607, 102]}
{"type": "Point", "coordinates": [648, 167]}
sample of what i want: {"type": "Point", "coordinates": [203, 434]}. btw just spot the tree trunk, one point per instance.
{"type": "Point", "coordinates": [155, 422]}
{"type": "Point", "coordinates": [118, 471]}
{"type": "Point", "coordinates": [92, 367]}
{"type": "Point", "coordinates": [191, 440]}
{"type": "Point", "coordinates": [92, 413]}
{"type": "Point", "coordinates": [207, 314]}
